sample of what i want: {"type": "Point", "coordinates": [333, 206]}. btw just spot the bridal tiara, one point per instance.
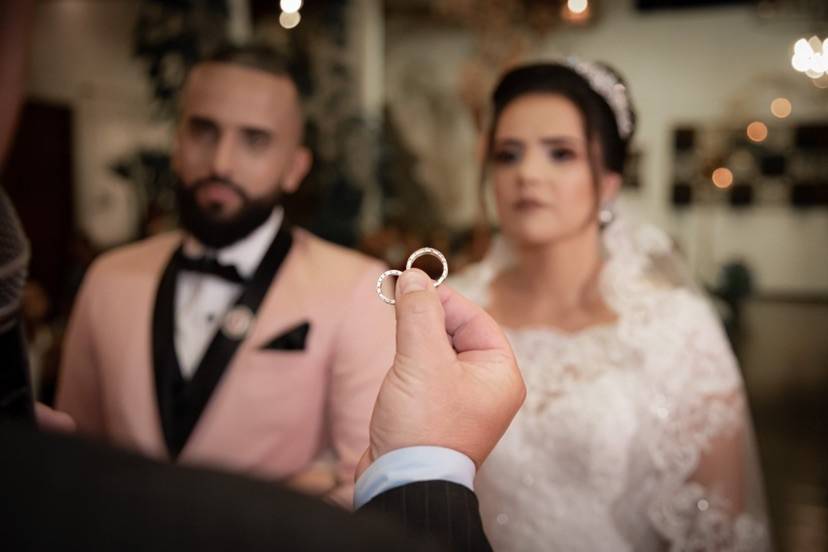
{"type": "Point", "coordinates": [607, 85]}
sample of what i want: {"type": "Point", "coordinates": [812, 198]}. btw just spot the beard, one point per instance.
{"type": "Point", "coordinates": [208, 225]}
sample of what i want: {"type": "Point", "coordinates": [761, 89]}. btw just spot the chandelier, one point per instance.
{"type": "Point", "coordinates": [811, 57]}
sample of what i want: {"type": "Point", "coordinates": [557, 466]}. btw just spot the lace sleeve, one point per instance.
{"type": "Point", "coordinates": [710, 495]}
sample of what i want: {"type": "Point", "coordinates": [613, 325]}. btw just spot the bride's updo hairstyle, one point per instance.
{"type": "Point", "coordinates": [598, 92]}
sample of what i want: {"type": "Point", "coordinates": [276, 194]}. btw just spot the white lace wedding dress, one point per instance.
{"type": "Point", "coordinates": [633, 436]}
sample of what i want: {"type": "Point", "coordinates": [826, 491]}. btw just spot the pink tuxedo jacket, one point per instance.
{"type": "Point", "coordinates": [273, 412]}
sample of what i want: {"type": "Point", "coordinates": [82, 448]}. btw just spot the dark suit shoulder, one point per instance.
{"type": "Point", "coordinates": [445, 511]}
{"type": "Point", "coordinates": [60, 493]}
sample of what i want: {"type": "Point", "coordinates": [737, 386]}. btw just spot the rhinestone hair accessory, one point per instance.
{"type": "Point", "coordinates": [608, 87]}
{"type": "Point", "coordinates": [414, 256]}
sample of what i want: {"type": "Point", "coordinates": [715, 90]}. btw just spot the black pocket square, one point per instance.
{"type": "Point", "coordinates": [292, 340]}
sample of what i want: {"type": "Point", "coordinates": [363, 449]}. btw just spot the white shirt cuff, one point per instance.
{"type": "Point", "coordinates": [411, 464]}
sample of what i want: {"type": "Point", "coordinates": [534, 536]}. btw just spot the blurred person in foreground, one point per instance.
{"type": "Point", "coordinates": [240, 342]}
{"type": "Point", "coordinates": [635, 434]}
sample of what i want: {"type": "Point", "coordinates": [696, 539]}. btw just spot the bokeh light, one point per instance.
{"type": "Point", "coordinates": [757, 131]}
{"type": "Point", "coordinates": [290, 6]}
{"type": "Point", "coordinates": [577, 6]}
{"type": "Point", "coordinates": [289, 20]}
{"type": "Point", "coordinates": [722, 177]}
{"type": "Point", "coordinates": [781, 107]}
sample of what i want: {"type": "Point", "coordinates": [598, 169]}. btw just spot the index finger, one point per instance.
{"type": "Point", "coordinates": [470, 327]}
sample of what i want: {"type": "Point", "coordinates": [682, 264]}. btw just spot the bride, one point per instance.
{"type": "Point", "coordinates": [635, 434]}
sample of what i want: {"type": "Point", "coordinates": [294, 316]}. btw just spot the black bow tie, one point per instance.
{"type": "Point", "coordinates": [209, 265]}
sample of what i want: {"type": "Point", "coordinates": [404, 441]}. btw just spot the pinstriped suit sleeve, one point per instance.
{"type": "Point", "coordinates": [445, 511]}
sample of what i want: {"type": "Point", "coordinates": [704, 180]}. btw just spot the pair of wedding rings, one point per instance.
{"type": "Point", "coordinates": [414, 256]}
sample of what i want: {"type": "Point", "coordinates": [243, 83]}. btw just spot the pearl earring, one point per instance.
{"type": "Point", "coordinates": [605, 215]}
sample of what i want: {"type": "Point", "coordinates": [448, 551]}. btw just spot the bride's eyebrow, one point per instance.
{"type": "Point", "coordinates": [507, 142]}
{"type": "Point", "coordinates": [561, 141]}
{"type": "Point", "coordinates": [553, 141]}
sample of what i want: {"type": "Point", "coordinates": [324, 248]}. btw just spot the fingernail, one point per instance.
{"type": "Point", "coordinates": [413, 280]}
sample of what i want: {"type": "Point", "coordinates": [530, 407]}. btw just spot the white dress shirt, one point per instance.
{"type": "Point", "coordinates": [201, 300]}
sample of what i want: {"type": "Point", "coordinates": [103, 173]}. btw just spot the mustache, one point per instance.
{"type": "Point", "coordinates": [213, 180]}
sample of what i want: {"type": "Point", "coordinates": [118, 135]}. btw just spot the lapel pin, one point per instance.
{"type": "Point", "coordinates": [237, 322]}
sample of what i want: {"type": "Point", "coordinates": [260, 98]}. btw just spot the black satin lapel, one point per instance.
{"type": "Point", "coordinates": [292, 340]}
{"type": "Point", "coordinates": [168, 380]}
{"type": "Point", "coordinates": [197, 392]}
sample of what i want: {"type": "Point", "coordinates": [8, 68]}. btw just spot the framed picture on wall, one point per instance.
{"type": "Point", "coordinates": [755, 164]}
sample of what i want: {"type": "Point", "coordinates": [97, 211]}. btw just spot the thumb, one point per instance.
{"type": "Point", "coordinates": [421, 321]}
{"type": "Point", "coordinates": [50, 419]}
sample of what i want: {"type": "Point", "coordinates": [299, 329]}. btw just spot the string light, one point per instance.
{"type": "Point", "coordinates": [289, 20]}
{"type": "Point", "coordinates": [577, 6]}
{"type": "Point", "coordinates": [811, 57]}
{"type": "Point", "coordinates": [576, 12]}
{"type": "Point", "coordinates": [781, 107]}
{"type": "Point", "coordinates": [757, 131]}
{"type": "Point", "coordinates": [722, 177]}
{"type": "Point", "coordinates": [290, 6]}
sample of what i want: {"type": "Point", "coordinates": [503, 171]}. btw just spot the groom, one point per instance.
{"type": "Point", "coordinates": [241, 342]}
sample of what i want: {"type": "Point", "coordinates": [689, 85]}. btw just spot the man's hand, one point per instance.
{"type": "Point", "coordinates": [316, 480]}
{"type": "Point", "coordinates": [454, 382]}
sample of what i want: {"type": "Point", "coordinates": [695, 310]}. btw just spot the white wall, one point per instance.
{"type": "Point", "coordinates": [81, 57]}
{"type": "Point", "coordinates": [721, 66]}
{"type": "Point", "coordinates": [422, 83]}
